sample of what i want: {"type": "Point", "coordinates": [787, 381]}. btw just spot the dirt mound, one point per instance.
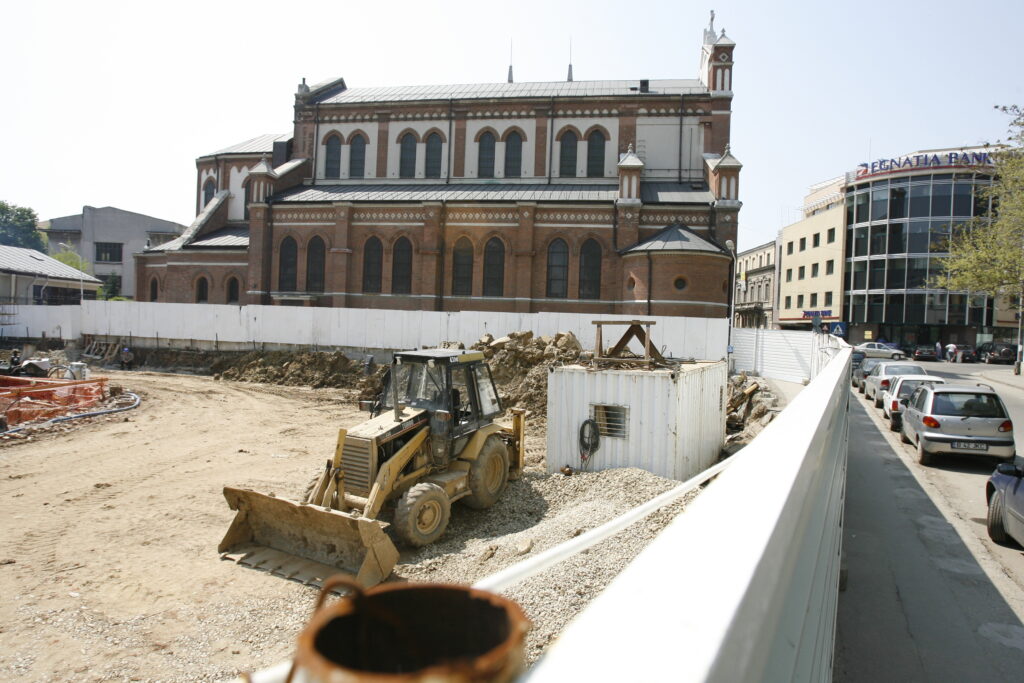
{"type": "Point", "coordinates": [311, 369]}
{"type": "Point", "coordinates": [520, 364]}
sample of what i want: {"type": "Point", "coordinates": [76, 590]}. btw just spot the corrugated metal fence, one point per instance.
{"type": "Point", "coordinates": [779, 354]}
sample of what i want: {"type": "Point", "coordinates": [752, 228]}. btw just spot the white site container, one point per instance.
{"type": "Point", "coordinates": [674, 420]}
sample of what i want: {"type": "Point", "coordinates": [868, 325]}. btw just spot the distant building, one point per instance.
{"type": "Point", "coordinates": [755, 287]}
{"type": "Point", "coordinates": [28, 276]}
{"type": "Point", "coordinates": [107, 238]}
{"type": "Point", "coordinates": [612, 196]}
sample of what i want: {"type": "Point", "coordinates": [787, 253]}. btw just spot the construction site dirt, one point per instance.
{"type": "Point", "coordinates": [108, 561]}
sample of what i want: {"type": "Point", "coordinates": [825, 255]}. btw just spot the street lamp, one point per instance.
{"type": "Point", "coordinates": [81, 286]}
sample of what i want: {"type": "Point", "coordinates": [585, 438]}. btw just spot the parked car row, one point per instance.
{"type": "Point", "coordinates": [937, 417]}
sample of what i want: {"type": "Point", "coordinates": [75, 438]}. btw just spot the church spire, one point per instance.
{"type": "Point", "coordinates": [569, 77]}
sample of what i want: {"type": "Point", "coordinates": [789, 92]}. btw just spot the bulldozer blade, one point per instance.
{"type": "Point", "coordinates": [346, 541]}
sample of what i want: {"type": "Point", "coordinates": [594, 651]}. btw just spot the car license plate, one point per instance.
{"type": "Point", "coordinates": [970, 445]}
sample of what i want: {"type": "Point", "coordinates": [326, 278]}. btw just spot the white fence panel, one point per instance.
{"type": "Point", "coordinates": [779, 354]}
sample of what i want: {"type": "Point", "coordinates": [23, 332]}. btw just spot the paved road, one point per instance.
{"type": "Point", "coordinates": [928, 597]}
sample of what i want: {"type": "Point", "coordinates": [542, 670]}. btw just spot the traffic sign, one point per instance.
{"type": "Point", "coordinates": [838, 329]}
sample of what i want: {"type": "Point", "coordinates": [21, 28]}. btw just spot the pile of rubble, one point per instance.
{"type": "Point", "coordinates": [751, 407]}
{"type": "Point", "coordinates": [307, 369]}
{"type": "Point", "coordinates": [520, 364]}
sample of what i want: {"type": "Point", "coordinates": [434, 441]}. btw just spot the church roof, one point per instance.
{"type": "Point", "coordinates": [232, 236]}
{"type": "Point", "coordinates": [261, 144]}
{"type": "Point", "coordinates": [675, 238]}
{"type": "Point", "coordinates": [544, 89]}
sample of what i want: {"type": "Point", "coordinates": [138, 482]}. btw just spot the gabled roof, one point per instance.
{"type": "Point", "coordinates": [233, 236]}
{"type": "Point", "coordinates": [546, 89]}
{"type": "Point", "coordinates": [261, 144]}
{"type": "Point", "coordinates": [197, 225]}
{"type": "Point", "coordinates": [676, 238]}
{"type": "Point", "coordinates": [32, 262]}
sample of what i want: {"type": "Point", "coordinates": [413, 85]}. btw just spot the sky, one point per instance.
{"type": "Point", "coordinates": [109, 103]}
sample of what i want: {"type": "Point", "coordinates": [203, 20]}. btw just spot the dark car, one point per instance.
{"type": "Point", "coordinates": [996, 352]}
{"type": "Point", "coordinates": [856, 358]}
{"type": "Point", "coordinates": [967, 353]}
{"type": "Point", "coordinates": [924, 352]}
{"type": "Point", "coordinates": [1005, 494]}
{"type": "Point", "coordinates": [866, 366]}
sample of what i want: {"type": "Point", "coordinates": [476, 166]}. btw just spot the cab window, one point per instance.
{"type": "Point", "coordinates": [462, 402]}
{"type": "Point", "coordinates": [489, 404]}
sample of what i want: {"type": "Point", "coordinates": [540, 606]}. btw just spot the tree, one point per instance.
{"type": "Point", "coordinates": [72, 258]}
{"type": "Point", "coordinates": [18, 227]}
{"type": "Point", "coordinates": [988, 256]}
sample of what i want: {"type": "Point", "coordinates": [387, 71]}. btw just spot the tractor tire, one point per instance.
{"type": "Point", "coordinates": [994, 519]}
{"type": "Point", "coordinates": [488, 474]}
{"type": "Point", "coordinates": [422, 514]}
{"type": "Point", "coordinates": [923, 456]}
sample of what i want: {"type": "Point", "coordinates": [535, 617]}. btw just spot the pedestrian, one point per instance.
{"type": "Point", "coordinates": [127, 358]}
{"type": "Point", "coordinates": [950, 352]}
{"type": "Point", "coordinates": [938, 350]}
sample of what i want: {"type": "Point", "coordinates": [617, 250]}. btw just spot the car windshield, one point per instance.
{"type": "Point", "coordinates": [419, 386]}
{"type": "Point", "coordinates": [869, 364]}
{"type": "Point", "coordinates": [903, 370]}
{"type": "Point", "coordinates": [968, 405]}
{"type": "Point", "coordinates": [907, 386]}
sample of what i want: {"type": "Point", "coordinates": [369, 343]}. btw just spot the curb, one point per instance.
{"type": "Point", "coordinates": [997, 380]}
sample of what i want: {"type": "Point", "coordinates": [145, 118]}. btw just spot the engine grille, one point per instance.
{"type": "Point", "coordinates": [358, 466]}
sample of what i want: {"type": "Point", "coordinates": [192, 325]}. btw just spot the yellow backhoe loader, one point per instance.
{"type": "Point", "coordinates": [432, 441]}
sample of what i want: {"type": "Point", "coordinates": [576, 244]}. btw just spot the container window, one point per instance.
{"type": "Point", "coordinates": [611, 420]}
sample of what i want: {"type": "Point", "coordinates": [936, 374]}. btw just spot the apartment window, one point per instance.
{"type": "Point", "coordinates": [462, 268]}
{"type": "Point", "coordinates": [789, 301]}
{"type": "Point", "coordinates": [830, 267]}
{"type": "Point", "coordinates": [803, 244]}
{"type": "Point", "coordinates": [595, 154]}
{"type": "Point", "coordinates": [108, 252]}
{"type": "Point", "coordinates": [315, 258]}
{"type": "Point", "coordinates": [287, 268]}
{"type": "Point", "coordinates": [513, 155]}
{"type": "Point", "coordinates": [494, 268]}
{"type": "Point", "coordinates": [814, 300]}
{"type": "Point", "coordinates": [407, 157]}
{"type": "Point", "coordinates": [373, 259]}
{"type": "Point", "coordinates": [800, 273]}
{"type": "Point", "coordinates": [567, 156]}
{"type": "Point", "coordinates": [432, 167]}
{"type": "Point", "coordinates": [814, 270]}
{"type": "Point", "coordinates": [800, 301]}
{"type": "Point", "coordinates": [789, 274]}
{"type": "Point", "coordinates": [789, 248]}
{"type": "Point", "coordinates": [831, 235]}
{"type": "Point", "coordinates": [558, 270]}
{"type": "Point", "coordinates": [332, 159]}
{"type": "Point", "coordinates": [828, 298]}
{"type": "Point", "coordinates": [357, 157]}
{"type": "Point", "coordinates": [401, 267]}
{"type": "Point", "coordinates": [485, 166]}
{"type": "Point", "coordinates": [816, 240]}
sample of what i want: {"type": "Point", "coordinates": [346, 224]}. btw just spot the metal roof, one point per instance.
{"type": "Point", "coordinates": [650, 193]}
{"type": "Point", "coordinates": [676, 238]}
{"type": "Point", "coordinates": [229, 237]}
{"type": "Point", "coordinates": [262, 144]}
{"type": "Point", "coordinates": [468, 91]}
{"type": "Point", "coordinates": [32, 262]}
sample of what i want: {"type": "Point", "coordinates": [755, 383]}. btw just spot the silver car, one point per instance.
{"type": "Point", "coordinates": [878, 350]}
{"type": "Point", "coordinates": [957, 419]}
{"type": "Point", "coordinates": [902, 386]}
{"type": "Point", "coordinates": [880, 377]}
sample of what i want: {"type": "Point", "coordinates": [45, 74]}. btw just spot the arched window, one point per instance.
{"type": "Point", "coordinates": [332, 161]}
{"type": "Point", "coordinates": [407, 160]}
{"type": "Point", "coordinates": [558, 269]}
{"type": "Point", "coordinates": [357, 157]}
{"type": "Point", "coordinates": [401, 267]}
{"type": "Point", "coordinates": [247, 195]}
{"type": "Point", "coordinates": [154, 289]}
{"type": "Point", "coordinates": [513, 155]}
{"type": "Point", "coordinates": [494, 268]}
{"type": "Point", "coordinates": [433, 160]}
{"type": "Point", "coordinates": [233, 290]}
{"type": "Point", "coordinates": [567, 160]}
{"type": "Point", "coordinates": [462, 268]}
{"type": "Point", "coordinates": [485, 166]}
{"type": "Point", "coordinates": [287, 272]}
{"type": "Point", "coordinates": [202, 291]}
{"type": "Point", "coordinates": [595, 154]}
{"type": "Point", "coordinates": [373, 258]}
{"type": "Point", "coordinates": [315, 252]}
{"type": "Point", "coordinates": [209, 189]}
{"type": "Point", "coordinates": [590, 270]}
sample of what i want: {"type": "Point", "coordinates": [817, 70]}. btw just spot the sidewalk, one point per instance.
{"type": "Point", "coordinates": [1003, 374]}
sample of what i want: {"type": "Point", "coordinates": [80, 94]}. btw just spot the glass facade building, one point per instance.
{"type": "Point", "coordinates": [899, 220]}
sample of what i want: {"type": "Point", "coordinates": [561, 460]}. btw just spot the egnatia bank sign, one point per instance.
{"type": "Point", "coordinates": [912, 162]}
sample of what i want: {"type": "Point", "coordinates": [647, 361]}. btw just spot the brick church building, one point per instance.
{"type": "Point", "coordinates": [584, 196]}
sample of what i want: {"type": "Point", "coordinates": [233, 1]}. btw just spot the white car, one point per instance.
{"type": "Point", "coordinates": [879, 379]}
{"type": "Point", "coordinates": [902, 386]}
{"type": "Point", "coordinates": [878, 350]}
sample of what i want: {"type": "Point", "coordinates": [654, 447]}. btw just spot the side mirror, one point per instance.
{"type": "Point", "coordinates": [1010, 469]}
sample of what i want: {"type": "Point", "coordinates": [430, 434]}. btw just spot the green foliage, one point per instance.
{"type": "Point", "coordinates": [73, 259]}
{"type": "Point", "coordinates": [989, 257]}
{"type": "Point", "coordinates": [18, 227]}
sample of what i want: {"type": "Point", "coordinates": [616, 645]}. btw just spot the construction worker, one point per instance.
{"type": "Point", "coordinates": [127, 358]}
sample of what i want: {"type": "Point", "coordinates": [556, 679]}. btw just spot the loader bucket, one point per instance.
{"type": "Point", "coordinates": [353, 544]}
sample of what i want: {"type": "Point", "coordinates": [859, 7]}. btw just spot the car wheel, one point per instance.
{"type": "Point", "coordinates": [894, 424]}
{"type": "Point", "coordinates": [897, 356]}
{"type": "Point", "coordinates": [878, 401]}
{"type": "Point", "coordinates": [923, 456]}
{"type": "Point", "coordinates": [994, 520]}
